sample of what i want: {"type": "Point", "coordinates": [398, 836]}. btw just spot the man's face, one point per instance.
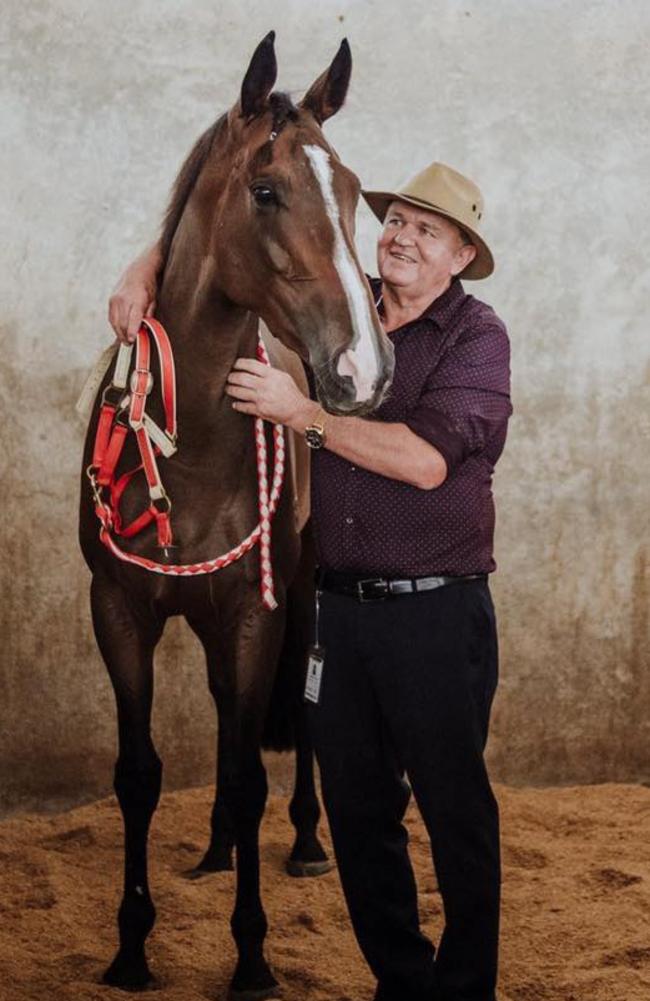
{"type": "Point", "coordinates": [419, 249]}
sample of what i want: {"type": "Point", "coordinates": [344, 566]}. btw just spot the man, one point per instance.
{"type": "Point", "coordinates": [406, 665]}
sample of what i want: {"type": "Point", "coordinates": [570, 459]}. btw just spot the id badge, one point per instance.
{"type": "Point", "coordinates": [315, 662]}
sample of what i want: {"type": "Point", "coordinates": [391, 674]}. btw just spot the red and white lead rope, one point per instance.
{"type": "Point", "coordinates": [152, 441]}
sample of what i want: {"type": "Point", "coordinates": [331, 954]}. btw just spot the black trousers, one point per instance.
{"type": "Point", "coordinates": [407, 686]}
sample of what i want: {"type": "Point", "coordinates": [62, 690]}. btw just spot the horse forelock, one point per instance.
{"type": "Point", "coordinates": [283, 110]}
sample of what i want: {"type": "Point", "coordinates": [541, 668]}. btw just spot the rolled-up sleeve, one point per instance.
{"type": "Point", "coordinates": [466, 398]}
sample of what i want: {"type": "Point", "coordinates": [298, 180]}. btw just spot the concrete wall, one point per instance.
{"type": "Point", "coordinates": [545, 104]}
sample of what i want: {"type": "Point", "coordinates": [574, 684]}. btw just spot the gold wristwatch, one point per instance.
{"type": "Point", "coordinates": [315, 432]}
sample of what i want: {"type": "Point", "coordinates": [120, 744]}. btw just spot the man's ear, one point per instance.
{"type": "Point", "coordinates": [327, 93]}
{"type": "Point", "coordinates": [260, 78]}
{"type": "Point", "coordinates": [464, 256]}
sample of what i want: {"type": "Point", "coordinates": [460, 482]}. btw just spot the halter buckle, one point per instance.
{"type": "Point", "coordinates": [160, 500]}
{"type": "Point", "coordinates": [135, 378]}
{"type": "Point", "coordinates": [111, 388]}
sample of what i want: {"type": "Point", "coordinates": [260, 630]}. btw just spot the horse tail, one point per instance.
{"type": "Point", "coordinates": [286, 696]}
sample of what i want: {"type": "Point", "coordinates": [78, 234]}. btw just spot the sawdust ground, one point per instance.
{"type": "Point", "coordinates": [576, 902]}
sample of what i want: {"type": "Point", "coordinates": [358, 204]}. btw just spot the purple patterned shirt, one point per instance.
{"type": "Point", "coordinates": [452, 388]}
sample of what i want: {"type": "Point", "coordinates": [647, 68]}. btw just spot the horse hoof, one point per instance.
{"type": "Point", "coordinates": [304, 869]}
{"type": "Point", "coordinates": [130, 974]}
{"type": "Point", "coordinates": [207, 867]}
{"type": "Point", "coordinates": [253, 981]}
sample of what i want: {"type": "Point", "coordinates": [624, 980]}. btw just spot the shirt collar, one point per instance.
{"type": "Point", "coordinates": [442, 310]}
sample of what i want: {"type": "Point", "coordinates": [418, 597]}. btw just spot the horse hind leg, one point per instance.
{"type": "Point", "coordinates": [127, 644]}
{"type": "Point", "coordinates": [308, 857]}
{"type": "Point", "coordinates": [218, 856]}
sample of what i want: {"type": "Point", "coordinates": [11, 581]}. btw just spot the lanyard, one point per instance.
{"type": "Point", "coordinates": [317, 618]}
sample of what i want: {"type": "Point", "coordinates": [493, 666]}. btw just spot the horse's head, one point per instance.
{"type": "Point", "coordinates": [277, 207]}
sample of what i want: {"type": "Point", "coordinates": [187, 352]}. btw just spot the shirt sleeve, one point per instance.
{"type": "Point", "coordinates": [466, 398]}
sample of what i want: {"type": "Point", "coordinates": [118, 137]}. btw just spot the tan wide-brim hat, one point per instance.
{"type": "Point", "coordinates": [441, 189]}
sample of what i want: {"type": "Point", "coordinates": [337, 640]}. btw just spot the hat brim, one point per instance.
{"type": "Point", "coordinates": [483, 263]}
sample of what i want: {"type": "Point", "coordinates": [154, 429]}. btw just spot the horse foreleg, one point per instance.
{"type": "Point", "coordinates": [246, 654]}
{"type": "Point", "coordinates": [245, 793]}
{"type": "Point", "coordinates": [127, 644]}
{"type": "Point", "coordinates": [308, 857]}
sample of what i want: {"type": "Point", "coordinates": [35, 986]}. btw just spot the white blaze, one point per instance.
{"type": "Point", "coordinates": [361, 360]}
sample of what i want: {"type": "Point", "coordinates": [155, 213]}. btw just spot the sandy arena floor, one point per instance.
{"type": "Point", "coordinates": [576, 910]}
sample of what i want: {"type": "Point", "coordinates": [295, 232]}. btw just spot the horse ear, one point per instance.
{"type": "Point", "coordinates": [260, 78]}
{"type": "Point", "coordinates": [327, 94]}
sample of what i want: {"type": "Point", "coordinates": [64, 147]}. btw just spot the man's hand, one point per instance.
{"type": "Point", "coordinates": [134, 295]}
{"type": "Point", "coordinates": [263, 391]}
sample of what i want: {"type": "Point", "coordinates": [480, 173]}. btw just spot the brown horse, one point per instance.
{"type": "Point", "coordinates": [260, 225]}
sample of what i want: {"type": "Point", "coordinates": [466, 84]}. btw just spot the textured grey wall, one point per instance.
{"type": "Point", "coordinates": [545, 104]}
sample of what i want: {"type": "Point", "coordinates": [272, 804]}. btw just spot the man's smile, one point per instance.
{"type": "Point", "coordinates": [402, 257]}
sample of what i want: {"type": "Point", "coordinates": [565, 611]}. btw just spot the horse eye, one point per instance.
{"type": "Point", "coordinates": [264, 195]}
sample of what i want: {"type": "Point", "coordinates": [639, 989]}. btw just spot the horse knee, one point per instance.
{"type": "Point", "coordinates": [244, 791]}
{"type": "Point", "coordinates": [137, 784]}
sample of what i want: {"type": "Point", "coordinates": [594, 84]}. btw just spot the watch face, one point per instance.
{"type": "Point", "coordinates": [314, 438]}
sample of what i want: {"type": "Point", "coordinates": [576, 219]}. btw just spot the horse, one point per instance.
{"type": "Point", "coordinates": [260, 225]}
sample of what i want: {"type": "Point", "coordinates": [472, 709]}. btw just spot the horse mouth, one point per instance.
{"type": "Point", "coordinates": [338, 393]}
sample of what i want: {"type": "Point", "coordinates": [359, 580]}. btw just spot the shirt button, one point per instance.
{"type": "Point", "coordinates": [352, 468]}
{"type": "Point", "coordinates": [349, 521]}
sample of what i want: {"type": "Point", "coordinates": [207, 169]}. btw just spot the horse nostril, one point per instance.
{"type": "Point", "coordinates": [346, 365]}
{"type": "Point", "coordinates": [350, 364]}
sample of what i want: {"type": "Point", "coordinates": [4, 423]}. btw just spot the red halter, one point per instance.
{"type": "Point", "coordinates": [121, 411]}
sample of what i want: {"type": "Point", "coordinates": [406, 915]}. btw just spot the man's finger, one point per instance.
{"type": "Point", "coordinates": [245, 408]}
{"type": "Point", "coordinates": [113, 318]}
{"type": "Point", "coordinates": [150, 308]}
{"type": "Point", "coordinates": [251, 365]}
{"type": "Point", "coordinates": [133, 322]}
{"type": "Point", "coordinates": [241, 393]}
{"type": "Point", "coordinates": [123, 320]}
{"type": "Point", "coordinates": [242, 379]}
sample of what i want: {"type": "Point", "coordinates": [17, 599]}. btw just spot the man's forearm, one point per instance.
{"type": "Point", "coordinates": [135, 294]}
{"type": "Point", "coordinates": [392, 450]}
{"type": "Point", "coordinates": [150, 260]}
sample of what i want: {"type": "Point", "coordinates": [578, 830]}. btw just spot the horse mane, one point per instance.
{"type": "Point", "coordinates": [283, 110]}
{"type": "Point", "coordinates": [184, 185]}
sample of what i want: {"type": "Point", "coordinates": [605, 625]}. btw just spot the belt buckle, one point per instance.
{"type": "Point", "coordinates": [363, 596]}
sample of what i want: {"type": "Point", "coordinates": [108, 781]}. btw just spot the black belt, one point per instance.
{"type": "Point", "coordinates": [377, 588]}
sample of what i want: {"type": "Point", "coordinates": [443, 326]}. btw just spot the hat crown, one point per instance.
{"type": "Point", "coordinates": [441, 187]}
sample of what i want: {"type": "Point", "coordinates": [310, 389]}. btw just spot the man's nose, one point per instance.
{"type": "Point", "coordinates": [404, 236]}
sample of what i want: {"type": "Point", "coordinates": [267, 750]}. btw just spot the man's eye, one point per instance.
{"type": "Point", "coordinates": [264, 195]}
